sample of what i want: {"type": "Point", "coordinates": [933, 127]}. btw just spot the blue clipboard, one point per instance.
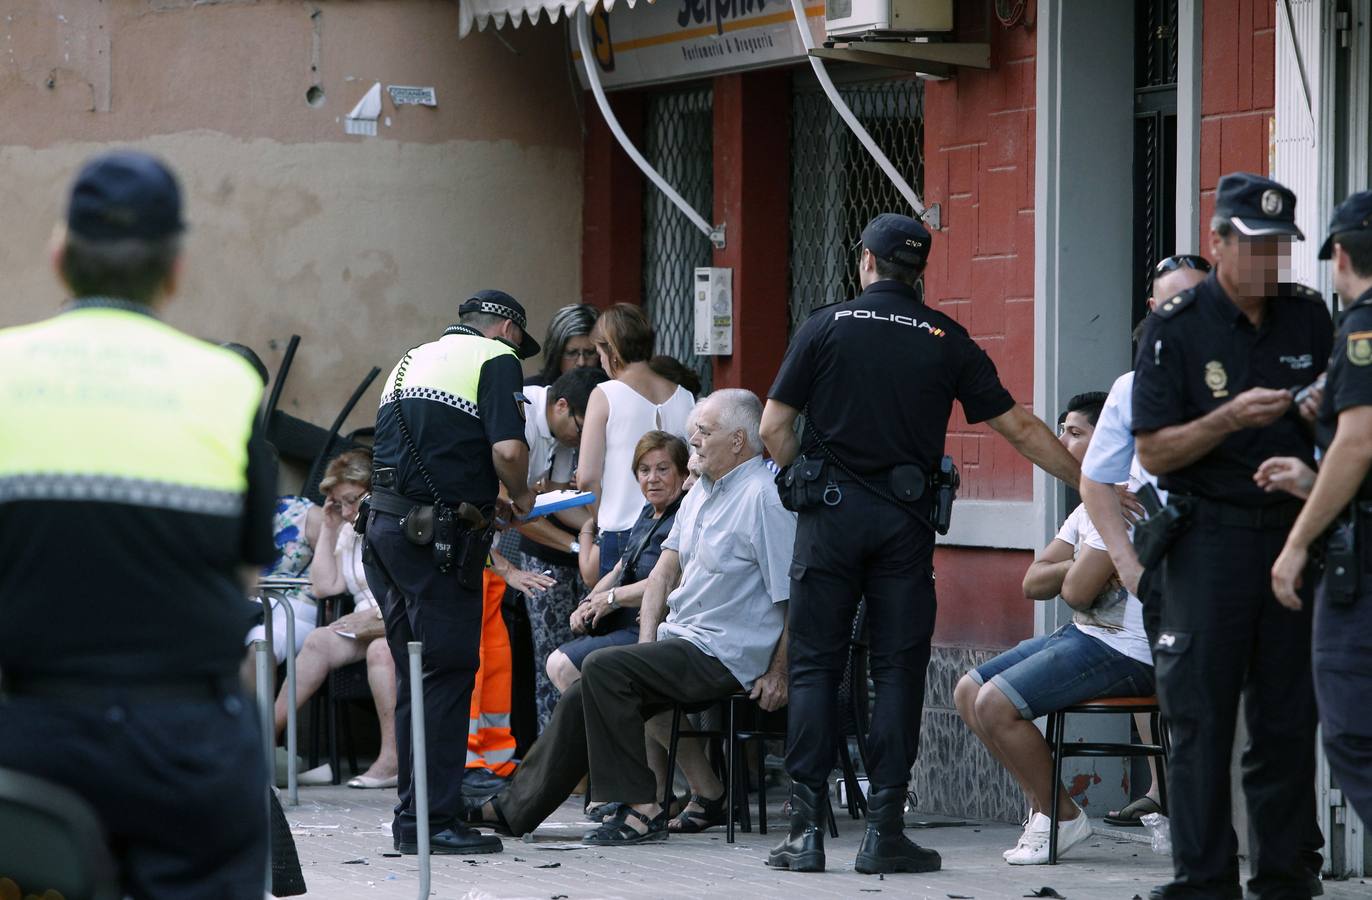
{"type": "Point", "coordinates": [556, 501]}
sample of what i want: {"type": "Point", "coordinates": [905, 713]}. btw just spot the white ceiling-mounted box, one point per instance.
{"type": "Point", "coordinates": [879, 18]}
{"type": "Point", "coordinates": [714, 311]}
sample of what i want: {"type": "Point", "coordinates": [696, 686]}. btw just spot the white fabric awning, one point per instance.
{"type": "Point", "coordinates": [488, 13]}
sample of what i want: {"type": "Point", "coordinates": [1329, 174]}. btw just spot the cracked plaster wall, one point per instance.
{"type": "Point", "coordinates": [362, 245]}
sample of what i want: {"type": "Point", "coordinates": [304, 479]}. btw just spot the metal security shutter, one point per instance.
{"type": "Point", "coordinates": [836, 187]}
{"type": "Point", "coordinates": [678, 139]}
{"type": "Point", "coordinates": [1303, 159]}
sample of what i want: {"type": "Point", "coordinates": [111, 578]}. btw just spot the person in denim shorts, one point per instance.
{"type": "Point", "coordinates": [1103, 652]}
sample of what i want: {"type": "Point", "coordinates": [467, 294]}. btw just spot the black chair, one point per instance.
{"type": "Point", "coordinates": [53, 841]}
{"type": "Point", "coordinates": [342, 687]}
{"type": "Point", "coordinates": [1104, 706]}
{"type": "Point", "coordinates": [735, 737]}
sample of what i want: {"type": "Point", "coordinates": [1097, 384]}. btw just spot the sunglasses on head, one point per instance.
{"type": "Point", "coordinates": [1181, 261]}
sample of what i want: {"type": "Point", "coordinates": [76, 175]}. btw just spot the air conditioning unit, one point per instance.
{"type": "Point", "coordinates": [849, 19]}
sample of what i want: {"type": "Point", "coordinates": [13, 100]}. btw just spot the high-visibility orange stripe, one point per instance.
{"type": "Point", "coordinates": [491, 747]}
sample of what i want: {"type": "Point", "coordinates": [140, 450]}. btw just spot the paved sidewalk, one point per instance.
{"type": "Point", "coordinates": [344, 852]}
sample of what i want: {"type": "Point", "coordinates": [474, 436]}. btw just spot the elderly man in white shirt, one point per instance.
{"type": "Point", "coordinates": [713, 619]}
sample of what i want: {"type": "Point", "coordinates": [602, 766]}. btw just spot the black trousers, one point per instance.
{"type": "Point", "coordinates": [1343, 683]}
{"type": "Point", "coordinates": [420, 603]}
{"type": "Point", "coordinates": [863, 547]}
{"type": "Point", "coordinates": [623, 687]}
{"type": "Point", "coordinates": [1222, 634]}
{"type": "Point", "coordinates": [180, 786]}
{"type": "Point", "coordinates": [550, 770]}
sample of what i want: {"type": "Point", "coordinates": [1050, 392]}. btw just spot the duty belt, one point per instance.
{"type": "Point", "coordinates": [390, 502]}
{"type": "Point", "coordinates": [1253, 517]}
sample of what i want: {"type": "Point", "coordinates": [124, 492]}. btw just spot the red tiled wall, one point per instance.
{"type": "Point", "coordinates": [1238, 73]}
{"type": "Point", "coordinates": [980, 600]}
{"type": "Point", "coordinates": [979, 164]}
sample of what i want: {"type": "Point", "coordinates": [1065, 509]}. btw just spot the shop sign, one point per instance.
{"type": "Point", "coordinates": [679, 40]}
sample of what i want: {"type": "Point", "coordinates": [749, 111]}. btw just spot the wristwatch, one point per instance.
{"type": "Point", "coordinates": [575, 547]}
{"type": "Point", "coordinates": [610, 599]}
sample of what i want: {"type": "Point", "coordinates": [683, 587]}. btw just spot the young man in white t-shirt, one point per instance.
{"type": "Point", "coordinates": [1103, 652]}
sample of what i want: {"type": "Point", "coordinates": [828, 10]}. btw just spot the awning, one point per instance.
{"type": "Point", "coordinates": [484, 13]}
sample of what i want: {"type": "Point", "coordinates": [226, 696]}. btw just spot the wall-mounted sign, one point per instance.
{"type": "Point", "coordinates": [413, 96]}
{"type": "Point", "coordinates": [676, 40]}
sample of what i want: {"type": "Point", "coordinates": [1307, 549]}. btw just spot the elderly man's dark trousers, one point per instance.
{"type": "Point", "coordinates": [863, 547]}
{"type": "Point", "coordinates": [1343, 682]}
{"type": "Point", "coordinates": [420, 603]}
{"type": "Point", "coordinates": [1224, 634]}
{"type": "Point", "coordinates": [623, 687]}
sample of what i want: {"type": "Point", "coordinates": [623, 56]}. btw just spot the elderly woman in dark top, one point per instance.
{"type": "Point", "coordinates": [608, 616]}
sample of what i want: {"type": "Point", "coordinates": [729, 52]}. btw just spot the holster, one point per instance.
{"type": "Point", "coordinates": [1342, 561]}
{"type": "Point", "coordinates": [801, 485]}
{"type": "Point", "coordinates": [1154, 536]}
{"type": "Point", "coordinates": [946, 484]}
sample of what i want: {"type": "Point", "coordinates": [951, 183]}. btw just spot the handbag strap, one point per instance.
{"type": "Point", "coordinates": [634, 555]}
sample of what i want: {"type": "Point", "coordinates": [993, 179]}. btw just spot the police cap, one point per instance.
{"type": "Point", "coordinates": [1257, 206]}
{"type": "Point", "coordinates": [499, 303]}
{"type": "Point", "coordinates": [898, 239]}
{"type": "Point", "coordinates": [125, 194]}
{"type": "Point", "coordinates": [1353, 214]}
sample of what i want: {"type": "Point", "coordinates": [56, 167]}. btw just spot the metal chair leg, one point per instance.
{"type": "Point", "coordinates": [731, 758]}
{"type": "Point", "coordinates": [833, 824]}
{"type": "Point", "coordinates": [671, 756]}
{"type": "Point", "coordinates": [1057, 782]}
{"type": "Point", "coordinates": [1159, 737]}
{"type": "Point", "coordinates": [762, 786]}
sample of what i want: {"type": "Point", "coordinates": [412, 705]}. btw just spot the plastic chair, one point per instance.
{"type": "Point", "coordinates": [1103, 706]}
{"type": "Point", "coordinates": [53, 841]}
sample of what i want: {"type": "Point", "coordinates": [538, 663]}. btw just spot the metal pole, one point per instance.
{"type": "Point", "coordinates": [264, 701]}
{"type": "Point", "coordinates": [292, 775]}
{"type": "Point", "coordinates": [420, 768]}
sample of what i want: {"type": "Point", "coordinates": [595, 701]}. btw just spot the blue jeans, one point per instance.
{"type": "Point", "coordinates": [1044, 674]}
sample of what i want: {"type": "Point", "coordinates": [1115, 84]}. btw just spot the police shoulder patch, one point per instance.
{"type": "Point", "coordinates": [1173, 305]}
{"type": "Point", "coordinates": [1359, 348]}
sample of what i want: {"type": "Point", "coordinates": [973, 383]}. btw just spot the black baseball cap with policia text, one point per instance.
{"type": "Point", "coordinates": [898, 239]}
{"type": "Point", "coordinates": [1257, 206]}
{"type": "Point", "coordinates": [1353, 214]}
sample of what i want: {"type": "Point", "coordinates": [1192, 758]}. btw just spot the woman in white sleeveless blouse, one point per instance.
{"type": "Point", "coordinates": [635, 401]}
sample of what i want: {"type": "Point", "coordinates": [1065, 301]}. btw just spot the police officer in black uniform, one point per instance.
{"type": "Point", "coordinates": [449, 432]}
{"type": "Point", "coordinates": [876, 378]}
{"type": "Point", "coordinates": [1342, 496]}
{"type": "Point", "coordinates": [133, 489]}
{"type": "Point", "coordinates": [1217, 370]}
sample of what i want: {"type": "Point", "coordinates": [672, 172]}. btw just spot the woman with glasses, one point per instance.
{"type": "Point", "coordinates": [337, 569]}
{"type": "Point", "coordinates": [568, 344]}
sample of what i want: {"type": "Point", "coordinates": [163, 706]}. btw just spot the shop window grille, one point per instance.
{"type": "Point", "coordinates": [678, 139]}
{"type": "Point", "coordinates": [836, 187]}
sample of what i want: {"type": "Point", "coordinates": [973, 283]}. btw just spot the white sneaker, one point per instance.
{"type": "Point", "coordinates": [1034, 826]}
{"type": "Point", "coordinates": [1035, 852]}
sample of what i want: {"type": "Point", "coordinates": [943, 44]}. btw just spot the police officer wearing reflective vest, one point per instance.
{"type": "Point", "coordinates": [449, 432]}
{"type": "Point", "coordinates": [876, 378]}
{"type": "Point", "coordinates": [1217, 373]}
{"type": "Point", "coordinates": [133, 489]}
{"type": "Point", "coordinates": [1342, 498]}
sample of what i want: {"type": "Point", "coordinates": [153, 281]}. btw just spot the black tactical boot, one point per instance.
{"type": "Point", "coordinates": [885, 848]}
{"type": "Point", "coordinates": [803, 849]}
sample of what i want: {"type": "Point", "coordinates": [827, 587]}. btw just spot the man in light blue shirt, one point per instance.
{"type": "Point", "coordinates": [713, 619]}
